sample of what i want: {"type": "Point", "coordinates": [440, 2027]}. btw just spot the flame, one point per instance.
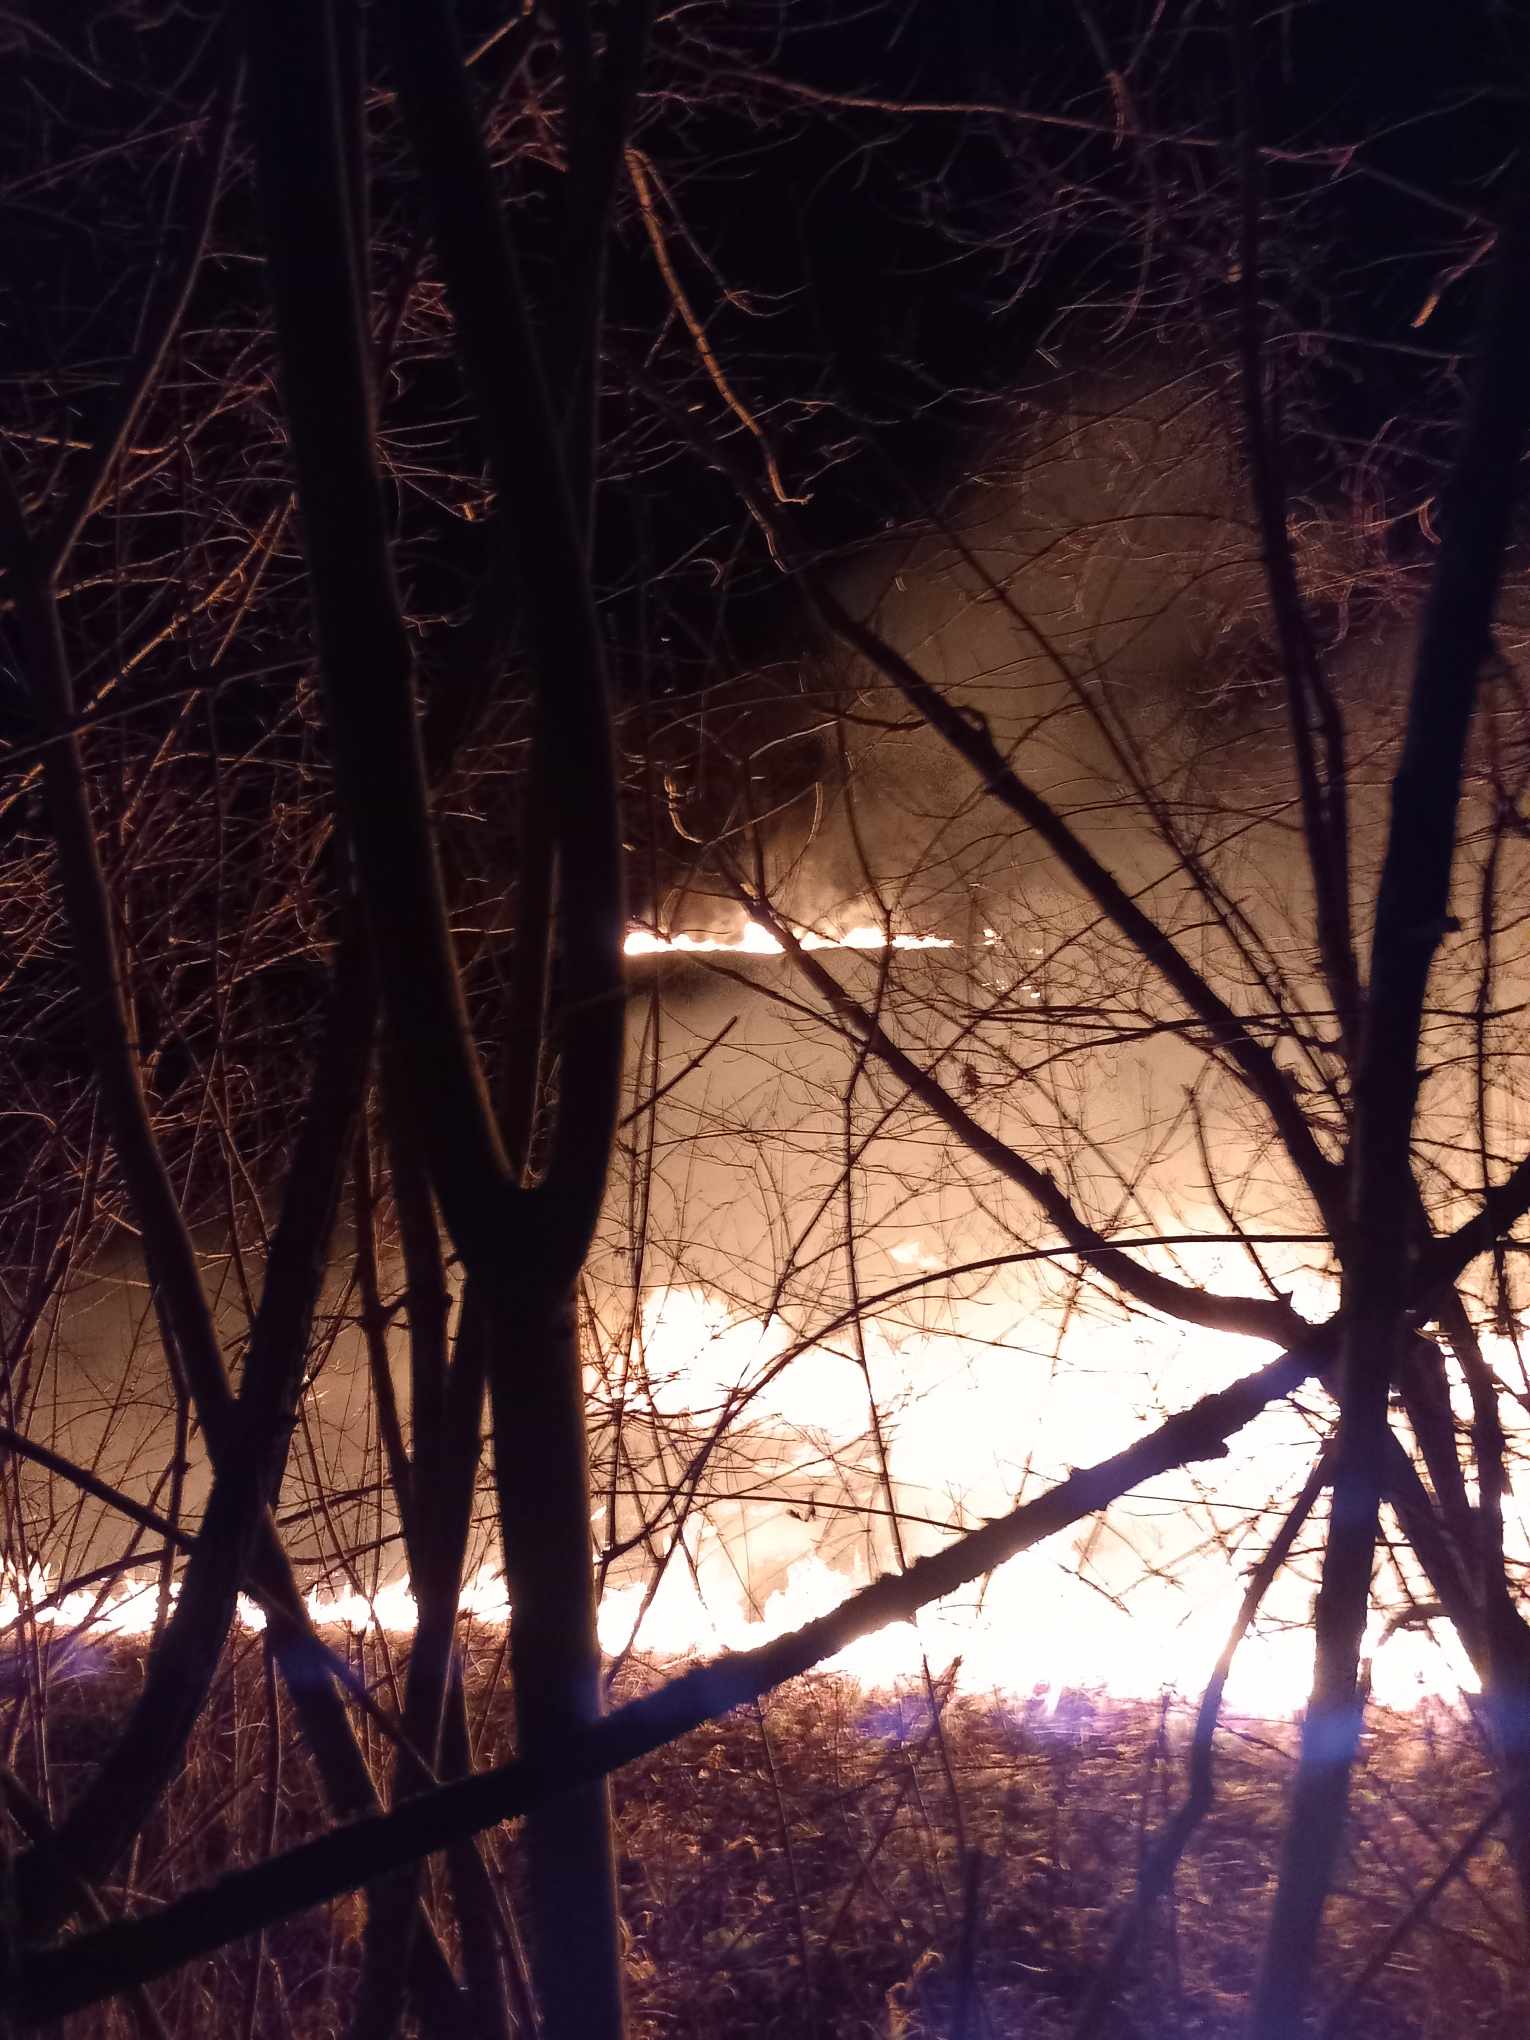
{"type": "Point", "coordinates": [753, 940]}
{"type": "Point", "coordinates": [1029, 1641]}
{"type": "Point", "coordinates": [1038, 1626]}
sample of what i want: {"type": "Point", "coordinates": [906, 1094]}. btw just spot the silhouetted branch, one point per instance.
{"type": "Point", "coordinates": [52, 1982]}
{"type": "Point", "coordinates": [1411, 921]}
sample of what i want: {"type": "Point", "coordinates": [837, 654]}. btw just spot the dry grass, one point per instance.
{"type": "Point", "coordinates": [831, 1865]}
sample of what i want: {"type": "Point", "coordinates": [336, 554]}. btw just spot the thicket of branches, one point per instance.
{"type": "Point", "coordinates": [407, 417]}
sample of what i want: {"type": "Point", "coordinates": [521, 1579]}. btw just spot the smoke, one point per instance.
{"type": "Point", "coordinates": [822, 1335]}
{"type": "Point", "coordinates": [1097, 600]}
{"type": "Point", "coordinates": [1094, 596]}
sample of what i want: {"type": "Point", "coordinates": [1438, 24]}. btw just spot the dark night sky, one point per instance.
{"type": "Point", "coordinates": [886, 247]}
{"type": "Point", "coordinates": [885, 237]}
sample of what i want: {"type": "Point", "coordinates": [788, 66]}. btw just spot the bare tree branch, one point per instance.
{"type": "Point", "coordinates": [1411, 921]}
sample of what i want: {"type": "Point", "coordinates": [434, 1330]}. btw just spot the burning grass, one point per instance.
{"type": "Point", "coordinates": [836, 1862]}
